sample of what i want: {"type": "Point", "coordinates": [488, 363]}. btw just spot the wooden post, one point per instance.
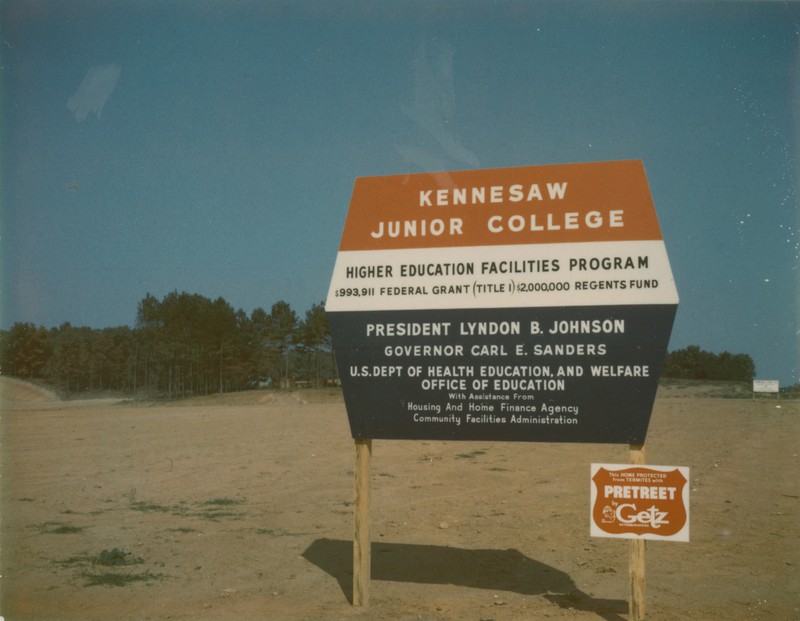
{"type": "Point", "coordinates": [362, 562]}
{"type": "Point", "coordinates": [636, 555]}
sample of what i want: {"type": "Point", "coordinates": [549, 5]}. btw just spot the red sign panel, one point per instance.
{"type": "Point", "coordinates": [564, 203]}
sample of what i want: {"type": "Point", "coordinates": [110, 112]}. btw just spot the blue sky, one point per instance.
{"type": "Point", "coordinates": [211, 147]}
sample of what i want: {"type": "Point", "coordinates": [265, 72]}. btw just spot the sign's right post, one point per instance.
{"type": "Point", "coordinates": [636, 555]}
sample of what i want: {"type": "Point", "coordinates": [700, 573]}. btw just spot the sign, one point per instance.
{"type": "Point", "coordinates": [646, 502]}
{"type": "Point", "coordinates": [766, 386]}
{"type": "Point", "coordinates": [530, 303]}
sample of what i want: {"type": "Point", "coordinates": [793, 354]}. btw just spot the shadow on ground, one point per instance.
{"type": "Point", "coordinates": [500, 570]}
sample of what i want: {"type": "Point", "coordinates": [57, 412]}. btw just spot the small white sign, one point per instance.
{"type": "Point", "coordinates": [766, 386]}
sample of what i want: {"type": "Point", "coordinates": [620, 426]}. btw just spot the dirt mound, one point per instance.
{"type": "Point", "coordinates": [319, 396]}
{"type": "Point", "coordinates": [15, 390]}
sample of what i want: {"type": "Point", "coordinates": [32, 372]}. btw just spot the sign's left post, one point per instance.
{"type": "Point", "coordinates": [362, 542]}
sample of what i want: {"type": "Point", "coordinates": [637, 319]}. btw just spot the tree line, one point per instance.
{"type": "Point", "coordinates": [183, 344]}
{"type": "Point", "coordinates": [694, 363]}
{"type": "Point", "coordinates": [187, 344]}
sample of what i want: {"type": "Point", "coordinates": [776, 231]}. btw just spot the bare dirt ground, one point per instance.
{"type": "Point", "coordinates": [240, 507]}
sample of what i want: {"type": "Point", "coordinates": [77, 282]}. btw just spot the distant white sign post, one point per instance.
{"type": "Point", "coordinates": [518, 304]}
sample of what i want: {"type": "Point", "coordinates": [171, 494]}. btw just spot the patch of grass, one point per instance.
{"type": "Point", "coordinates": [73, 561]}
{"type": "Point", "coordinates": [213, 509]}
{"type": "Point", "coordinates": [152, 507]}
{"type": "Point", "coordinates": [183, 529]}
{"type": "Point", "coordinates": [216, 515]}
{"type": "Point", "coordinates": [117, 579]}
{"type": "Point", "coordinates": [277, 533]}
{"type": "Point", "coordinates": [471, 455]}
{"type": "Point", "coordinates": [224, 502]}
{"type": "Point", "coordinates": [116, 557]}
{"type": "Point", "coordinates": [56, 528]}
{"type": "Point", "coordinates": [140, 505]}
{"type": "Point", "coordinates": [110, 558]}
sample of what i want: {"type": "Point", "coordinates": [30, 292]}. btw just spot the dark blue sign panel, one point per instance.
{"type": "Point", "coordinates": [550, 374]}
